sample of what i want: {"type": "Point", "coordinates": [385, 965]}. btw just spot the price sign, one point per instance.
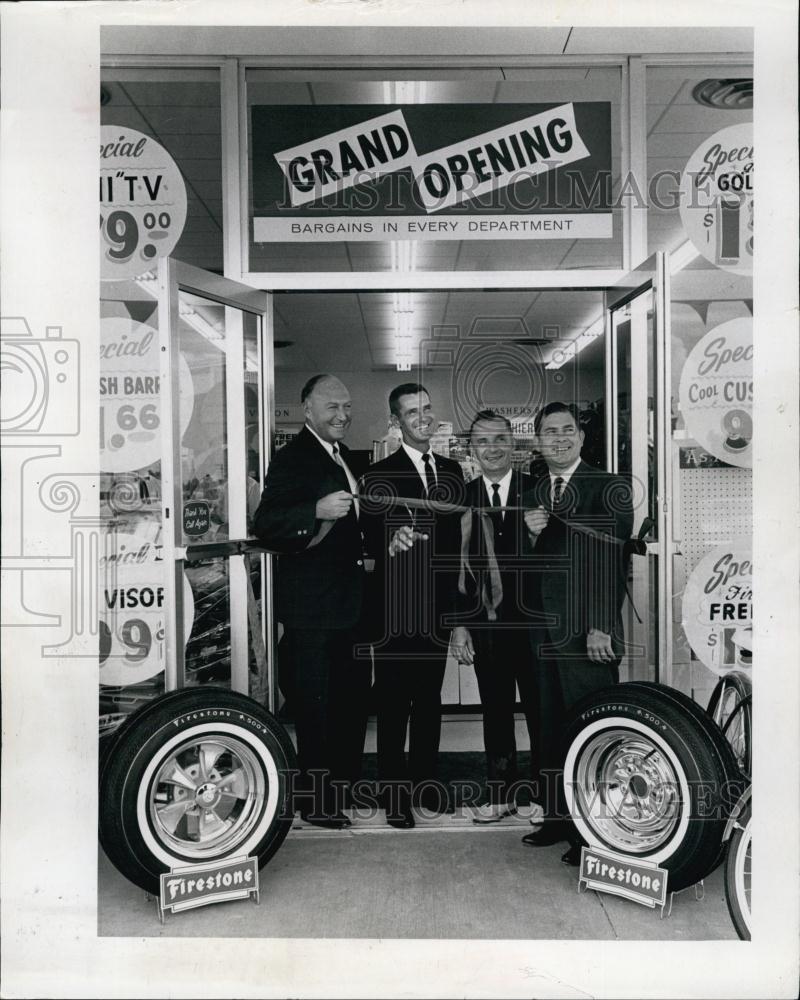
{"type": "Point", "coordinates": [130, 396]}
{"type": "Point", "coordinates": [132, 610]}
{"type": "Point", "coordinates": [142, 202]}
{"type": "Point", "coordinates": [717, 611]}
{"type": "Point", "coordinates": [717, 198]}
{"type": "Point", "coordinates": [716, 392]}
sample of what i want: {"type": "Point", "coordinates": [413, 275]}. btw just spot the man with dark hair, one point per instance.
{"type": "Point", "coordinates": [415, 568]}
{"type": "Point", "coordinates": [492, 632]}
{"type": "Point", "coordinates": [578, 515]}
{"type": "Point", "coordinates": [307, 514]}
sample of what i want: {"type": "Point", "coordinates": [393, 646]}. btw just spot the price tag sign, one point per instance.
{"type": "Point", "coordinates": [132, 609]}
{"type": "Point", "coordinates": [717, 198]}
{"type": "Point", "coordinates": [716, 392]}
{"type": "Point", "coordinates": [142, 203]}
{"type": "Point", "coordinates": [130, 396]}
{"type": "Point", "coordinates": [718, 607]}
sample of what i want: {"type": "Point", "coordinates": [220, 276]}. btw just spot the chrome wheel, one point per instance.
{"type": "Point", "coordinates": [207, 796]}
{"type": "Point", "coordinates": [627, 791]}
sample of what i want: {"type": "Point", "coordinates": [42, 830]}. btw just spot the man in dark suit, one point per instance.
{"type": "Point", "coordinates": [416, 565]}
{"type": "Point", "coordinates": [308, 515]}
{"type": "Point", "coordinates": [494, 631]}
{"type": "Point", "coordinates": [578, 514]}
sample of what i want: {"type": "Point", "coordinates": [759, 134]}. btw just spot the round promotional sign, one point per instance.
{"type": "Point", "coordinates": [130, 395]}
{"type": "Point", "coordinates": [716, 392]}
{"type": "Point", "coordinates": [718, 607]}
{"type": "Point", "coordinates": [142, 202]}
{"type": "Point", "coordinates": [716, 198]}
{"type": "Point", "coordinates": [132, 610]}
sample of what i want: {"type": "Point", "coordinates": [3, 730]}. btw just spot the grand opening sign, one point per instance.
{"type": "Point", "coordinates": [431, 172]}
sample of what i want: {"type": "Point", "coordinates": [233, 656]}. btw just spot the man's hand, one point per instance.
{"type": "Point", "coordinates": [404, 539]}
{"type": "Point", "coordinates": [334, 505]}
{"type": "Point", "coordinates": [536, 521]}
{"type": "Point", "coordinates": [461, 642]}
{"type": "Point", "coordinates": [598, 646]}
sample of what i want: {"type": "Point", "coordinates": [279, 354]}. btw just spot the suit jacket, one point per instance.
{"type": "Point", "coordinates": [412, 591]}
{"type": "Point", "coordinates": [512, 551]}
{"type": "Point", "coordinates": [579, 580]}
{"type": "Point", "coordinates": [319, 587]}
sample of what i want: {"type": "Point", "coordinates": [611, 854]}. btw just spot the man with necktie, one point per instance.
{"type": "Point", "coordinates": [308, 515]}
{"type": "Point", "coordinates": [415, 551]}
{"type": "Point", "coordinates": [578, 519]}
{"type": "Point", "coordinates": [494, 631]}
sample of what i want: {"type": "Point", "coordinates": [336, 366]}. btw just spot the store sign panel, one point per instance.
{"type": "Point", "coordinates": [716, 392]}
{"type": "Point", "coordinates": [716, 204]}
{"type": "Point", "coordinates": [142, 202]}
{"type": "Point", "coordinates": [717, 612]}
{"type": "Point", "coordinates": [432, 172]}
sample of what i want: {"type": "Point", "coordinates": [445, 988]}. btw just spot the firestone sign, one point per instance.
{"type": "Point", "coordinates": [431, 172]}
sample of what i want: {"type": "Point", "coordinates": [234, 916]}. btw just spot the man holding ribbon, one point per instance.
{"type": "Point", "coordinates": [579, 520]}
{"type": "Point", "coordinates": [309, 515]}
{"type": "Point", "coordinates": [416, 551]}
{"type": "Point", "coordinates": [494, 631]}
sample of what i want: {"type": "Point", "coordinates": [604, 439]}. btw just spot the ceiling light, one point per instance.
{"type": "Point", "coordinates": [729, 95]}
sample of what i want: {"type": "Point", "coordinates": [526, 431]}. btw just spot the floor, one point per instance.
{"type": "Point", "coordinates": [447, 878]}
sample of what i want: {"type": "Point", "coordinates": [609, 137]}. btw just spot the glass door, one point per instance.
{"type": "Point", "coordinates": [215, 371]}
{"type": "Point", "coordinates": [637, 408]}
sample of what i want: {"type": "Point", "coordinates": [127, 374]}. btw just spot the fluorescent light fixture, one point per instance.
{"type": "Point", "coordinates": [404, 344]}
{"type": "Point", "coordinates": [404, 255]}
{"type": "Point", "coordinates": [561, 355]}
{"type": "Point", "coordinates": [405, 92]}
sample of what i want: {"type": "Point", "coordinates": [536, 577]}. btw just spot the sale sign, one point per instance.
{"type": "Point", "coordinates": [717, 198]}
{"type": "Point", "coordinates": [131, 603]}
{"type": "Point", "coordinates": [142, 202]}
{"type": "Point", "coordinates": [431, 172]}
{"type": "Point", "coordinates": [717, 612]}
{"type": "Point", "coordinates": [130, 395]}
{"type": "Point", "coordinates": [716, 392]}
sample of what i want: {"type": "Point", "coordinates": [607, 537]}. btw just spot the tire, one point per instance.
{"type": "Point", "coordinates": [737, 872]}
{"type": "Point", "coordinates": [728, 692]}
{"type": "Point", "coordinates": [230, 763]}
{"type": "Point", "coordinates": [648, 775]}
{"type": "Point", "coordinates": [738, 731]}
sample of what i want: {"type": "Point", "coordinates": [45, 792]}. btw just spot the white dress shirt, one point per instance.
{"type": "Point", "coordinates": [505, 486]}
{"type": "Point", "coordinates": [416, 457]}
{"type": "Point", "coordinates": [566, 475]}
{"type": "Point", "coordinates": [328, 446]}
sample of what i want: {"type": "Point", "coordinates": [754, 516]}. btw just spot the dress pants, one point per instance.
{"type": "Point", "coordinates": [409, 679]}
{"type": "Point", "coordinates": [328, 693]}
{"type": "Point", "coordinates": [560, 682]}
{"type": "Point", "coordinates": [503, 661]}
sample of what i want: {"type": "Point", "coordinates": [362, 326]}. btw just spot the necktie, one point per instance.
{"type": "Point", "coordinates": [351, 482]}
{"type": "Point", "coordinates": [558, 493]}
{"type": "Point", "coordinates": [430, 478]}
{"type": "Point", "coordinates": [496, 501]}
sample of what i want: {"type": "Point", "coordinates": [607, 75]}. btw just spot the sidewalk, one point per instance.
{"type": "Point", "coordinates": [447, 878]}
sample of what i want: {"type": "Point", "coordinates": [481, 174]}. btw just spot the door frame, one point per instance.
{"type": "Point", "coordinates": [175, 277]}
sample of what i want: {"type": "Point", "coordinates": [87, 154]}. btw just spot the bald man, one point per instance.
{"type": "Point", "coordinates": [308, 515]}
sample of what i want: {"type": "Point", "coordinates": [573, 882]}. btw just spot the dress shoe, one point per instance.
{"type": "Point", "coordinates": [572, 857]}
{"type": "Point", "coordinates": [402, 819]}
{"type": "Point", "coordinates": [493, 813]}
{"type": "Point", "coordinates": [335, 821]}
{"type": "Point", "coordinates": [550, 833]}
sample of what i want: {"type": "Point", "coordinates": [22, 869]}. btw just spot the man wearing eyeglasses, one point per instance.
{"type": "Point", "coordinates": [576, 589]}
